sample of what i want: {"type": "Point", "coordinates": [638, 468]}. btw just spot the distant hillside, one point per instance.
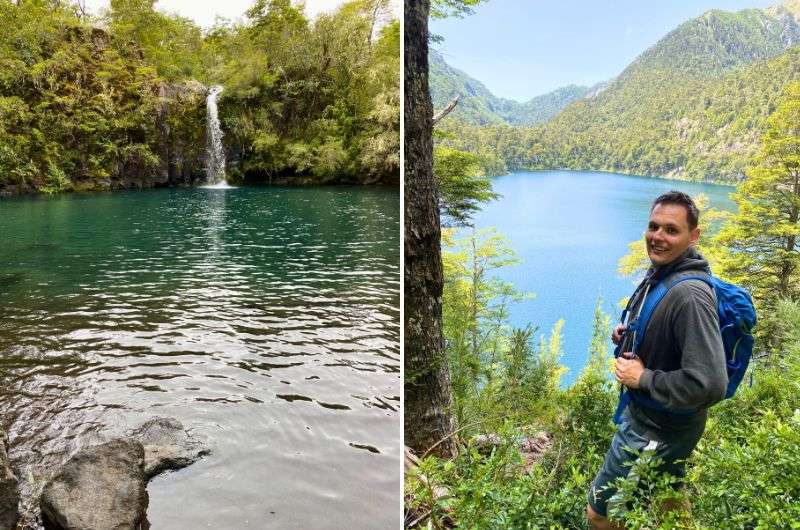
{"type": "Point", "coordinates": [692, 106]}
{"type": "Point", "coordinates": [544, 107]}
{"type": "Point", "coordinates": [477, 105]}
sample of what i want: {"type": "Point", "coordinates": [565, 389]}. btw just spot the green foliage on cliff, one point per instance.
{"type": "Point", "coordinates": [73, 105]}
{"type": "Point", "coordinates": [83, 107]}
{"type": "Point", "coordinates": [317, 100]}
{"type": "Point", "coordinates": [173, 45]}
{"type": "Point", "coordinates": [119, 100]}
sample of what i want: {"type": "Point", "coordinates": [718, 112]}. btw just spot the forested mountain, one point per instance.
{"type": "Point", "coordinates": [118, 100]}
{"type": "Point", "coordinates": [478, 106]}
{"type": "Point", "coordinates": [546, 106]}
{"type": "Point", "coordinates": [692, 106]}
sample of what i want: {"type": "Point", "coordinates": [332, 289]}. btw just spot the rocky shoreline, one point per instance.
{"type": "Point", "coordinates": [101, 486]}
{"type": "Point", "coordinates": [9, 488]}
{"type": "Point", "coordinates": [108, 186]}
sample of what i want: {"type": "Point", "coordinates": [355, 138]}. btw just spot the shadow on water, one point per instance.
{"type": "Point", "coordinates": [10, 279]}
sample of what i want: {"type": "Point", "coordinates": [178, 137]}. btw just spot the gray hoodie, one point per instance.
{"type": "Point", "coordinates": [682, 353]}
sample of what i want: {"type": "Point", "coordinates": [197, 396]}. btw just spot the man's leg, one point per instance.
{"type": "Point", "coordinates": [626, 446]}
{"type": "Point", "coordinates": [600, 522]}
{"type": "Point", "coordinates": [681, 504]}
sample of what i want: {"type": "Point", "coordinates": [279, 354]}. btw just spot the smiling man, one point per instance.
{"type": "Point", "coordinates": [679, 368]}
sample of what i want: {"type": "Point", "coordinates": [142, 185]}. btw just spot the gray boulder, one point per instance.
{"type": "Point", "coordinates": [102, 487]}
{"type": "Point", "coordinates": [167, 445]}
{"type": "Point", "coordinates": [9, 489]}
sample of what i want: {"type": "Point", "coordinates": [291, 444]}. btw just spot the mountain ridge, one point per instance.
{"type": "Point", "coordinates": [478, 105]}
{"type": "Point", "coordinates": [693, 105]}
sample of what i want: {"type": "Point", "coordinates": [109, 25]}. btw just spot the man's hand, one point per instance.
{"type": "Point", "coordinates": [616, 336]}
{"type": "Point", "coordinates": [629, 370]}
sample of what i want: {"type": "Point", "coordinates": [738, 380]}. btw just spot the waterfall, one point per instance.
{"type": "Point", "coordinates": [215, 156]}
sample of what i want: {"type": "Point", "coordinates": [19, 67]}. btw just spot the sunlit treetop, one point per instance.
{"type": "Point", "coordinates": [453, 8]}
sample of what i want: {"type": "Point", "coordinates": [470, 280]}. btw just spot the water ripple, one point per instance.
{"type": "Point", "coordinates": [267, 319]}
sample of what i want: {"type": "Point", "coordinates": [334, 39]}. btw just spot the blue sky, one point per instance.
{"type": "Point", "coordinates": [520, 49]}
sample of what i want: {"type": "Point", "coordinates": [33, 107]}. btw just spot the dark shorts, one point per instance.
{"type": "Point", "coordinates": [672, 454]}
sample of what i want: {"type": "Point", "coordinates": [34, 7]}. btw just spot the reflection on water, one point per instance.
{"type": "Point", "coordinates": [265, 319]}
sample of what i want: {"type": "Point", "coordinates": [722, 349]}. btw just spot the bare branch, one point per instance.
{"type": "Point", "coordinates": [450, 106]}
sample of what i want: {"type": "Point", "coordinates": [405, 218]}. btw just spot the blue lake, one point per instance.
{"type": "Point", "coordinates": [570, 228]}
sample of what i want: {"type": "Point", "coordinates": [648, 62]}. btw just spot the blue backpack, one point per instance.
{"type": "Point", "coordinates": [737, 317]}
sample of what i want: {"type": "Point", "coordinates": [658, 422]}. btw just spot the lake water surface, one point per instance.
{"type": "Point", "coordinates": [265, 319]}
{"type": "Point", "coordinates": [570, 228]}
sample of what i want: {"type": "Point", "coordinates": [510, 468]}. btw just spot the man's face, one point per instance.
{"type": "Point", "coordinates": [668, 234]}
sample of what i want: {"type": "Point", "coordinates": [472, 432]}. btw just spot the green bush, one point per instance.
{"type": "Point", "coordinates": [493, 491]}
{"type": "Point", "coordinates": [744, 474]}
{"type": "Point", "coordinates": [750, 476]}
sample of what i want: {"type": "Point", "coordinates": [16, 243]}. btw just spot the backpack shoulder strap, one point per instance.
{"type": "Point", "coordinates": [706, 278]}
{"type": "Point", "coordinates": [656, 295]}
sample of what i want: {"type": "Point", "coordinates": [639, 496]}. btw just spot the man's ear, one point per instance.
{"type": "Point", "coordinates": [694, 237]}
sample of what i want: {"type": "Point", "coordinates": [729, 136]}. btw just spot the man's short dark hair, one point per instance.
{"type": "Point", "coordinates": [678, 197]}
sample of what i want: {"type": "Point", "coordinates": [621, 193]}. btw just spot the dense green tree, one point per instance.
{"type": "Point", "coordinates": [319, 101]}
{"type": "Point", "coordinates": [172, 44]}
{"type": "Point", "coordinates": [763, 238]}
{"type": "Point", "coordinates": [475, 309]}
{"type": "Point", "coordinates": [379, 141]}
{"type": "Point", "coordinates": [427, 420]}
{"type": "Point", "coordinates": [77, 107]}
{"type": "Point", "coordinates": [463, 184]}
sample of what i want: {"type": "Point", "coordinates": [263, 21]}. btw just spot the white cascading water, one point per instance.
{"type": "Point", "coordinates": [215, 156]}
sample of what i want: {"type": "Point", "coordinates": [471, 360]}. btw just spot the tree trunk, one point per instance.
{"type": "Point", "coordinates": [427, 379]}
